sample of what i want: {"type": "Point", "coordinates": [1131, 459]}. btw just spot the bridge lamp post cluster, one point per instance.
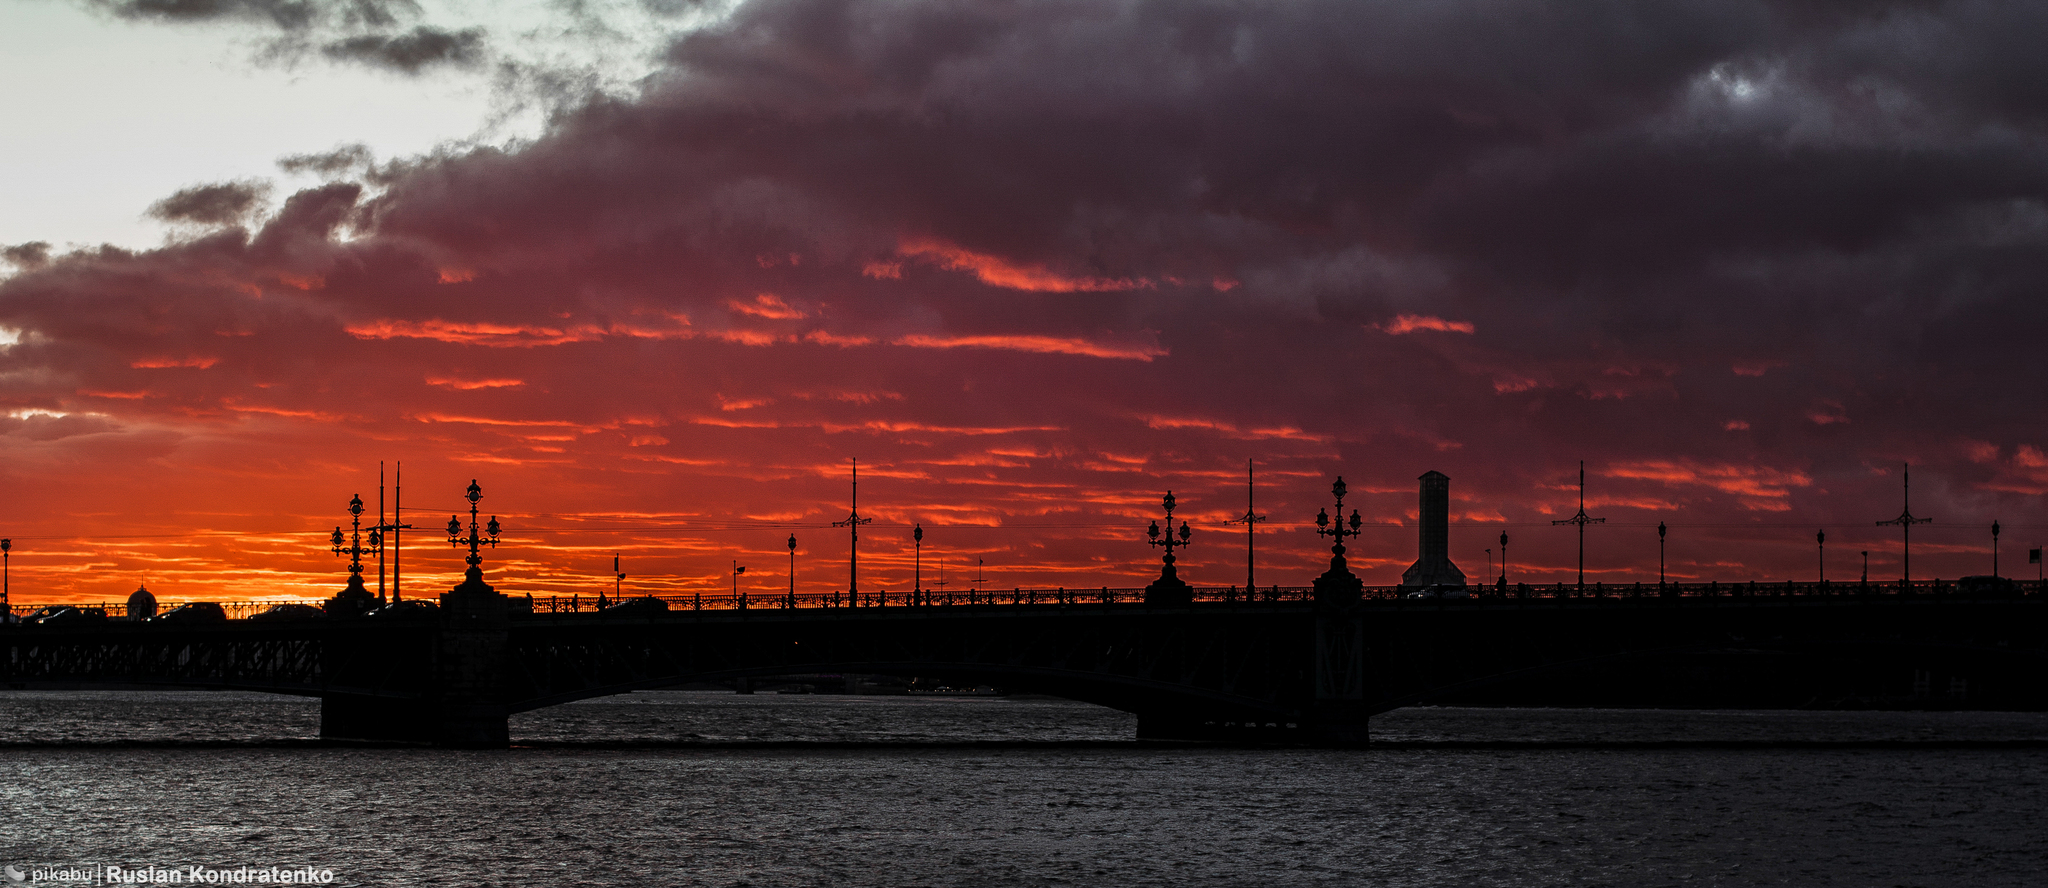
{"type": "Point", "coordinates": [475, 539]}
{"type": "Point", "coordinates": [1338, 585]}
{"type": "Point", "coordinates": [1169, 588]}
{"type": "Point", "coordinates": [352, 544]}
{"type": "Point", "coordinates": [1338, 533]}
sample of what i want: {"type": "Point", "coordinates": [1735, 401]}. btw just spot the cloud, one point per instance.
{"type": "Point", "coordinates": [411, 52]}
{"type": "Point", "coordinates": [225, 203]}
{"type": "Point", "coordinates": [29, 255]}
{"type": "Point", "coordinates": [906, 232]}
{"type": "Point", "coordinates": [1408, 323]}
{"type": "Point", "coordinates": [328, 163]}
{"type": "Point", "coordinates": [286, 14]}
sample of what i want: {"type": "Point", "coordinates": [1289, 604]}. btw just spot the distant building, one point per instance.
{"type": "Point", "coordinates": [141, 604]}
{"type": "Point", "coordinates": [1433, 565]}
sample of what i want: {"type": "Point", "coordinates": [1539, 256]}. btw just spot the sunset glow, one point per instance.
{"type": "Point", "coordinates": [1035, 266]}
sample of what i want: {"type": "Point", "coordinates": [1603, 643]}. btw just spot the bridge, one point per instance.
{"type": "Point", "coordinates": [1292, 666]}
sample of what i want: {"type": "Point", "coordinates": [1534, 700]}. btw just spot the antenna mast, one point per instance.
{"type": "Point", "coordinates": [1581, 520]}
{"type": "Point", "coordinates": [390, 530]}
{"type": "Point", "coordinates": [1250, 520]}
{"type": "Point", "coordinates": [852, 524]}
{"type": "Point", "coordinates": [1905, 521]}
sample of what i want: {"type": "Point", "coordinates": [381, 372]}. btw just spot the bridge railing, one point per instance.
{"type": "Point", "coordinates": [560, 604]}
{"type": "Point", "coordinates": [1233, 595]}
{"type": "Point", "coordinates": [118, 610]}
{"type": "Point", "coordinates": [1203, 596]}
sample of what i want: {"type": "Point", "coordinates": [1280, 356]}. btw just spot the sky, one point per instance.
{"type": "Point", "coordinates": [656, 274]}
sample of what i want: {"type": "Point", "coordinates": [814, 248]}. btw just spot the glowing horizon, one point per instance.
{"type": "Point", "coordinates": [1034, 267]}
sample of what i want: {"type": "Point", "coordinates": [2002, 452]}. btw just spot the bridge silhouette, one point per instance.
{"type": "Point", "coordinates": [1299, 666]}
{"type": "Point", "coordinates": [1279, 667]}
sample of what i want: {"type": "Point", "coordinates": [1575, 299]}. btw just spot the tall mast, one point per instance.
{"type": "Point", "coordinates": [852, 524]}
{"type": "Point", "coordinates": [1250, 520]}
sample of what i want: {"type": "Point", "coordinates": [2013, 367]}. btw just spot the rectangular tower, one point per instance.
{"type": "Point", "coordinates": [1433, 565]}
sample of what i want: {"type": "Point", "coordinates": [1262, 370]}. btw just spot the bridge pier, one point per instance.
{"type": "Point", "coordinates": [462, 702]}
{"type": "Point", "coordinates": [1328, 705]}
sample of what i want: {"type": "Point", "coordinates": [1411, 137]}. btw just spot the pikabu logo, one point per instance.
{"type": "Point", "coordinates": [112, 874]}
{"type": "Point", "coordinates": [206, 875]}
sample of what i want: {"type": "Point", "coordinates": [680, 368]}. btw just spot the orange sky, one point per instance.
{"type": "Point", "coordinates": [1033, 270]}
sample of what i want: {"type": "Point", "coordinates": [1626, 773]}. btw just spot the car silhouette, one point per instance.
{"type": "Point", "coordinates": [291, 612]}
{"type": "Point", "coordinates": [64, 614]}
{"type": "Point", "coordinates": [195, 612]}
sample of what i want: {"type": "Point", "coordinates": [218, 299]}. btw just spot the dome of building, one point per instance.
{"type": "Point", "coordinates": [141, 604]}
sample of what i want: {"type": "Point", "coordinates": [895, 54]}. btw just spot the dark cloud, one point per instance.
{"type": "Point", "coordinates": [347, 158]}
{"type": "Point", "coordinates": [224, 203]}
{"type": "Point", "coordinates": [29, 255]}
{"type": "Point", "coordinates": [290, 15]}
{"type": "Point", "coordinates": [412, 51]}
{"type": "Point", "coordinates": [1046, 258]}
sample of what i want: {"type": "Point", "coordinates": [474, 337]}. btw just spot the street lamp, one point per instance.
{"type": "Point", "coordinates": [1503, 560]}
{"type": "Point", "coordinates": [1338, 586]}
{"type": "Point", "coordinates": [736, 571]}
{"type": "Point", "coordinates": [1169, 588]}
{"type": "Point", "coordinates": [477, 537]}
{"type": "Point", "coordinates": [1994, 549]}
{"type": "Point", "coordinates": [6, 603]}
{"type": "Point", "coordinates": [1338, 533]}
{"type": "Point", "coordinates": [354, 547]}
{"type": "Point", "coordinates": [1820, 542]}
{"type": "Point", "coordinates": [917, 564]}
{"type": "Point", "coordinates": [792, 572]}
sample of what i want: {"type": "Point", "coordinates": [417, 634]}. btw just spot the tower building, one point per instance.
{"type": "Point", "coordinates": [1433, 565]}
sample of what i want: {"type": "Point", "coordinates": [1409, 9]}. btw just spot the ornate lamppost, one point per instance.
{"type": "Point", "coordinates": [1503, 561]}
{"type": "Point", "coordinates": [1820, 543]}
{"type": "Point", "coordinates": [917, 564]}
{"type": "Point", "coordinates": [1169, 588]}
{"type": "Point", "coordinates": [355, 598]}
{"type": "Point", "coordinates": [1338, 585]}
{"type": "Point", "coordinates": [6, 603]}
{"type": "Point", "coordinates": [473, 579]}
{"type": "Point", "coordinates": [791, 603]}
{"type": "Point", "coordinates": [738, 569]}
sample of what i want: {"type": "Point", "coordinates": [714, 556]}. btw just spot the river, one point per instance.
{"type": "Point", "coordinates": [718, 789]}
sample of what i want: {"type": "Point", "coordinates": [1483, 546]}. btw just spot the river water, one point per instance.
{"type": "Point", "coordinates": [694, 788]}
